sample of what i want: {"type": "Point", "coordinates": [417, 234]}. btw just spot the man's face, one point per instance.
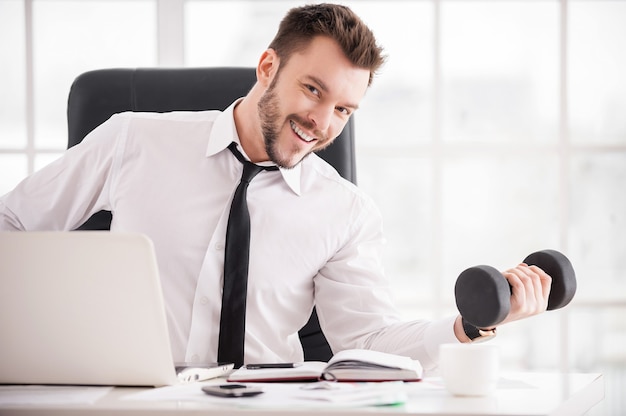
{"type": "Point", "coordinates": [309, 102]}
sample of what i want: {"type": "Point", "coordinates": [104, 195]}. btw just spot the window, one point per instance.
{"type": "Point", "coordinates": [494, 130]}
{"type": "Point", "coordinates": [56, 40]}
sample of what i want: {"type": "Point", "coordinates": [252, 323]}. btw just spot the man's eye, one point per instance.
{"type": "Point", "coordinates": [313, 89]}
{"type": "Point", "coordinates": [343, 110]}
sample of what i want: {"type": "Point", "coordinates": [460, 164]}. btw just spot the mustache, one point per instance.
{"type": "Point", "coordinates": [308, 125]}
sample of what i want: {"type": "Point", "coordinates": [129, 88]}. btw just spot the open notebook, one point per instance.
{"type": "Point", "coordinates": [82, 308]}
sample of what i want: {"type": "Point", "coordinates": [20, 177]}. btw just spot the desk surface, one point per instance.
{"type": "Point", "coordinates": [519, 394]}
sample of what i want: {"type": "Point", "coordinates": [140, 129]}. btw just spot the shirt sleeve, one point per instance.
{"type": "Point", "coordinates": [65, 193]}
{"type": "Point", "coordinates": [355, 304]}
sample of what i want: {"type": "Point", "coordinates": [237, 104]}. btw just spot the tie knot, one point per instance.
{"type": "Point", "coordinates": [250, 170]}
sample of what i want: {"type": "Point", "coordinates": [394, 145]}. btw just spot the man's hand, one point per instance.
{"type": "Point", "coordinates": [530, 289]}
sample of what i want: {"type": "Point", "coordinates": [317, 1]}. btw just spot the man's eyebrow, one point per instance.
{"type": "Point", "coordinates": [324, 88]}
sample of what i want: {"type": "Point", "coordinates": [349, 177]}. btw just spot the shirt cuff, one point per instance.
{"type": "Point", "coordinates": [439, 332]}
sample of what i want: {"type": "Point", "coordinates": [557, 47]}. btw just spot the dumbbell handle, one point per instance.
{"type": "Point", "coordinates": [483, 295]}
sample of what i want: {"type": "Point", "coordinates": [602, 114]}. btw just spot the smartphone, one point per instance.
{"type": "Point", "coordinates": [232, 390]}
{"type": "Point", "coordinates": [261, 366]}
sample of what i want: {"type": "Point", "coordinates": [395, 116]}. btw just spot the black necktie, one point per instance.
{"type": "Point", "coordinates": [236, 258]}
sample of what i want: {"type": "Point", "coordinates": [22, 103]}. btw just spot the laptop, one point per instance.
{"type": "Point", "coordinates": [83, 308]}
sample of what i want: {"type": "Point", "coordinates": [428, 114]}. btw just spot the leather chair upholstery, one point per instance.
{"type": "Point", "coordinates": [96, 95]}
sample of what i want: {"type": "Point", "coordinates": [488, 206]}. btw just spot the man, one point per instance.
{"type": "Point", "coordinates": [315, 238]}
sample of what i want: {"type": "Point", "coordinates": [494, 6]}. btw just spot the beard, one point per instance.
{"type": "Point", "coordinates": [269, 114]}
{"type": "Point", "coordinates": [271, 124]}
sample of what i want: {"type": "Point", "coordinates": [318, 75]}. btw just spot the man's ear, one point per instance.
{"type": "Point", "coordinates": [267, 67]}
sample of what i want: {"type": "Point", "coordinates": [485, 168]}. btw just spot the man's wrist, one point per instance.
{"type": "Point", "coordinates": [475, 334]}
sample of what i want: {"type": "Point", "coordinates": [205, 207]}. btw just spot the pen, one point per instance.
{"type": "Point", "coordinates": [271, 365]}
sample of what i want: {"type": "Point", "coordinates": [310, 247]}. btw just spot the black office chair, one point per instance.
{"type": "Point", "coordinates": [96, 95]}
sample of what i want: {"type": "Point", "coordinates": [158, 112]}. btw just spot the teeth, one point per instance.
{"type": "Point", "coordinates": [300, 133]}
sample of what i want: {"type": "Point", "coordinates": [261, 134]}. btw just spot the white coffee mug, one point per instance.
{"type": "Point", "coordinates": [470, 369]}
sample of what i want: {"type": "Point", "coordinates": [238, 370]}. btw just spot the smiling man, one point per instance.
{"type": "Point", "coordinates": [315, 238]}
{"type": "Point", "coordinates": [302, 102]}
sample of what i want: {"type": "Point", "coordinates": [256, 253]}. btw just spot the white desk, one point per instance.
{"type": "Point", "coordinates": [518, 394]}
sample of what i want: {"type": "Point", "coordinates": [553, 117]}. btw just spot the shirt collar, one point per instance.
{"type": "Point", "coordinates": [224, 132]}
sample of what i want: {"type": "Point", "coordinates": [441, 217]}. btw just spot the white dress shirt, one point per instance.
{"type": "Point", "coordinates": [315, 237]}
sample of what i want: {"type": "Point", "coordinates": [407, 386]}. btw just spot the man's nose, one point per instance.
{"type": "Point", "coordinates": [321, 116]}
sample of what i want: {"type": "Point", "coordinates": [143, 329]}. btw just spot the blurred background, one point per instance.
{"type": "Point", "coordinates": [497, 128]}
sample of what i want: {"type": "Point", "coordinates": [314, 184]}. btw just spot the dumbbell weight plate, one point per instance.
{"type": "Point", "coordinates": [483, 296]}
{"type": "Point", "coordinates": [557, 266]}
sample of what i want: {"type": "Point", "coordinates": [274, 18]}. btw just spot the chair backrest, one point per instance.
{"type": "Point", "coordinates": [97, 95]}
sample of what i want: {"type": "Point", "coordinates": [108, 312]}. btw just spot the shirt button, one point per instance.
{"type": "Point", "coordinates": [204, 300]}
{"type": "Point", "coordinates": [219, 246]}
{"type": "Point", "coordinates": [195, 358]}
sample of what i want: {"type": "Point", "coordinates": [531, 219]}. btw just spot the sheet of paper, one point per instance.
{"type": "Point", "coordinates": [36, 394]}
{"type": "Point", "coordinates": [288, 395]}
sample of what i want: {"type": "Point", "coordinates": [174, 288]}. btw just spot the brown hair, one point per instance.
{"type": "Point", "coordinates": [301, 24]}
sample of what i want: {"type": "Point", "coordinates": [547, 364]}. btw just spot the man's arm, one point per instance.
{"type": "Point", "coordinates": [65, 193]}
{"type": "Point", "coordinates": [8, 219]}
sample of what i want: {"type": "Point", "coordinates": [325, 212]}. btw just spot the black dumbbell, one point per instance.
{"type": "Point", "coordinates": [483, 295]}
